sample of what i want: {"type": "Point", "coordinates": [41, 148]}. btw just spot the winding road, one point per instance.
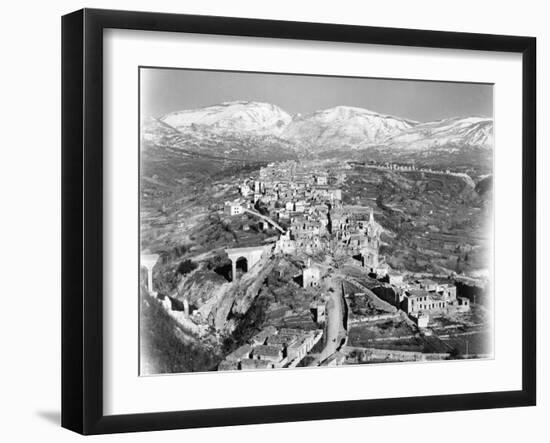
{"type": "Point", "coordinates": [335, 325]}
{"type": "Point", "coordinates": [266, 218]}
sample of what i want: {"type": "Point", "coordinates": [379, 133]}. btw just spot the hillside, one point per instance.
{"type": "Point", "coordinates": [249, 132]}
{"type": "Point", "coordinates": [467, 132]}
{"type": "Point", "coordinates": [344, 127]}
{"type": "Point", "coordinates": [236, 116]}
{"type": "Point", "coordinates": [434, 222]}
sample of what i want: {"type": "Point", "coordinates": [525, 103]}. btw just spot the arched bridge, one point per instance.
{"type": "Point", "coordinates": [252, 255]}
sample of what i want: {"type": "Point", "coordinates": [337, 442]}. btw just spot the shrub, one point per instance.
{"type": "Point", "coordinates": [186, 266]}
{"type": "Point", "coordinates": [162, 351]}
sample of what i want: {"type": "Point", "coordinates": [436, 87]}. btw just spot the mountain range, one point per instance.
{"type": "Point", "coordinates": [356, 131]}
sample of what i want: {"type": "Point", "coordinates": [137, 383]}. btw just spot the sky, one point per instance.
{"type": "Point", "coordinates": [167, 90]}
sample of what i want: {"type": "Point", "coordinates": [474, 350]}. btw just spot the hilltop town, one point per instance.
{"type": "Point", "coordinates": [300, 266]}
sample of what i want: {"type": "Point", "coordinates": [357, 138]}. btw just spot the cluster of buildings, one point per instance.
{"type": "Point", "coordinates": [412, 167]}
{"type": "Point", "coordinates": [424, 297]}
{"type": "Point", "coordinates": [272, 348]}
{"type": "Point", "coordinates": [305, 199]}
{"type": "Point", "coordinates": [407, 167]}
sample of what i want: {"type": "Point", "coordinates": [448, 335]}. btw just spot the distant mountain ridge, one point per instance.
{"type": "Point", "coordinates": [237, 116]}
{"type": "Point", "coordinates": [468, 131]}
{"type": "Point", "coordinates": [345, 126]}
{"type": "Point", "coordinates": [262, 130]}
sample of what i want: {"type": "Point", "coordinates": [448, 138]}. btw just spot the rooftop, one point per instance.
{"type": "Point", "coordinates": [418, 293]}
{"type": "Point", "coordinates": [267, 350]}
{"type": "Point", "coordinates": [426, 281]}
{"type": "Point", "coordinates": [241, 352]}
{"type": "Point", "coordinates": [281, 339]}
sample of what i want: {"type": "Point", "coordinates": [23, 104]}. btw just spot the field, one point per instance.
{"type": "Point", "coordinates": [434, 223]}
{"type": "Point", "coordinates": [386, 334]}
{"type": "Point", "coordinates": [459, 334]}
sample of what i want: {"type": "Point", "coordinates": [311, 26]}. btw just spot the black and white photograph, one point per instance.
{"type": "Point", "coordinates": [291, 221]}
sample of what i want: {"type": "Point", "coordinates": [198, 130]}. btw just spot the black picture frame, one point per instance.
{"type": "Point", "coordinates": [82, 220]}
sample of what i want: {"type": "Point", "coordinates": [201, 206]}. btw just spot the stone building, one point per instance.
{"type": "Point", "coordinates": [297, 349]}
{"type": "Point", "coordinates": [370, 247]}
{"type": "Point", "coordinates": [269, 353]}
{"type": "Point", "coordinates": [245, 190]}
{"type": "Point", "coordinates": [285, 245]}
{"type": "Point", "coordinates": [240, 353]}
{"type": "Point", "coordinates": [448, 291]}
{"type": "Point", "coordinates": [311, 275]}
{"type": "Point", "coordinates": [463, 303]}
{"type": "Point", "coordinates": [233, 208]}
{"type": "Point", "coordinates": [422, 320]}
{"type": "Point", "coordinates": [261, 337]}
{"type": "Point", "coordinates": [319, 311]}
{"type": "Point", "coordinates": [420, 300]}
{"type": "Point", "coordinates": [321, 180]}
{"type": "Point", "coordinates": [335, 194]}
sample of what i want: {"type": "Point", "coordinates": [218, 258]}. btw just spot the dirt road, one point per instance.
{"type": "Point", "coordinates": [335, 324]}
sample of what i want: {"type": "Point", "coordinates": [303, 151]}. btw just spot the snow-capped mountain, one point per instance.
{"type": "Point", "coordinates": [448, 133]}
{"type": "Point", "coordinates": [262, 131]}
{"type": "Point", "coordinates": [344, 126]}
{"type": "Point", "coordinates": [236, 116]}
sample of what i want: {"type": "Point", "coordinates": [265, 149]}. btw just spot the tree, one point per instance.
{"type": "Point", "coordinates": [185, 267]}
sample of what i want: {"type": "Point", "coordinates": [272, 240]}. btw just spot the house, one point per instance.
{"type": "Point", "coordinates": [420, 300]}
{"type": "Point", "coordinates": [285, 244]}
{"type": "Point", "coordinates": [245, 190]}
{"type": "Point", "coordinates": [269, 353]}
{"type": "Point", "coordinates": [463, 303]}
{"type": "Point", "coordinates": [311, 275]}
{"type": "Point", "coordinates": [240, 353]}
{"type": "Point", "coordinates": [263, 225]}
{"type": "Point", "coordinates": [282, 340]}
{"type": "Point", "coordinates": [319, 312]}
{"type": "Point", "coordinates": [321, 180]}
{"type": "Point", "coordinates": [422, 320]}
{"type": "Point", "coordinates": [233, 208]}
{"type": "Point", "coordinates": [298, 349]}
{"type": "Point", "coordinates": [260, 338]}
{"type": "Point", "coordinates": [382, 270]}
{"type": "Point", "coordinates": [448, 292]}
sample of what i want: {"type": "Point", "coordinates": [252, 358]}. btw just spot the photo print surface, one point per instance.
{"type": "Point", "coordinates": [297, 221]}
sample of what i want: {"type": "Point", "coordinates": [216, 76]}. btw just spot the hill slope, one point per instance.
{"type": "Point", "coordinates": [466, 132]}
{"type": "Point", "coordinates": [236, 116]}
{"type": "Point", "coordinates": [254, 131]}
{"type": "Point", "coordinates": [344, 127]}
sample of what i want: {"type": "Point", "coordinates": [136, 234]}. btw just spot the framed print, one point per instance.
{"type": "Point", "coordinates": [270, 221]}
